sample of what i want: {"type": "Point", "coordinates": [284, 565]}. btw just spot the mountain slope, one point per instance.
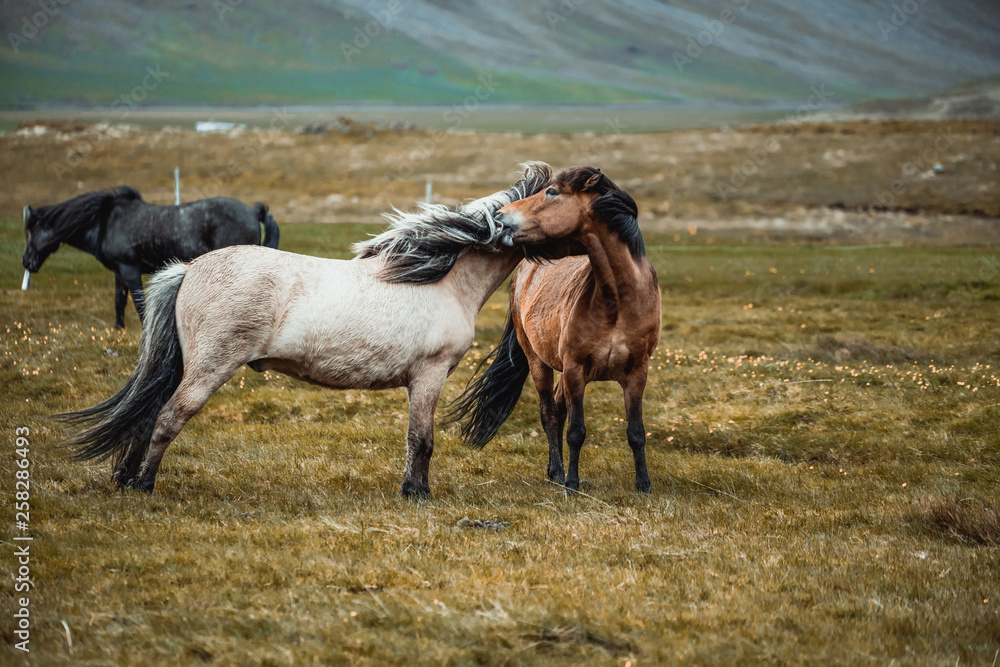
{"type": "Point", "coordinates": [685, 52]}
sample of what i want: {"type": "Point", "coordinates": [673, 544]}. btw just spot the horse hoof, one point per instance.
{"type": "Point", "coordinates": [414, 492]}
{"type": "Point", "coordinates": [142, 487]}
{"type": "Point", "coordinates": [644, 486]}
{"type": "Point", "coordinates": [135, 484]}
{"type": "Point", "coordinates": [557, 477]}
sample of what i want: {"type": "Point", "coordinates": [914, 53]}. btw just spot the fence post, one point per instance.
{"type": "Point", "coordinates": [26, 281]}
{"type": "Point", "coordinates": [177, 186]}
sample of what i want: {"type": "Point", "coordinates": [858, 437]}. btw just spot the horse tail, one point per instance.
{"type": "Point", "coordinates": [121, 427]}
{"type": "Point", "coordinates": [271, 233]}
{"type": "Point", "coordinates": [489, 399]}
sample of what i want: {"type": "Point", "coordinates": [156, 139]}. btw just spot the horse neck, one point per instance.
{"type": "Point", "coordinates": [87, 231]}
{"type": "Point", "coordinates": [616, 273]}
{"type": "Point", "coordinates": [86, 237]}
{"type": "Point", "coordinates": [477, 274]}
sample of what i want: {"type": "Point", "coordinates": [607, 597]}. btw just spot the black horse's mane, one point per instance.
{"type": "Point", "coordinates": [612, 205]}
{"type": "Point", "coordinates": [64, 218]}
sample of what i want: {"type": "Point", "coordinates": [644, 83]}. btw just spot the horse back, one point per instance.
{"type": "Point", "coordinates": [149, 236]}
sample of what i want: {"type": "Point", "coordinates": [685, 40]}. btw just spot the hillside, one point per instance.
{"type": "Point", "coordinates": [968, 101]}
{"type": "Point", "coordinates": [688, 53]}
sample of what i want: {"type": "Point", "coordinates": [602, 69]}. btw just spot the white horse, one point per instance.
{"type": "Point", "coordinates": [400, 314]}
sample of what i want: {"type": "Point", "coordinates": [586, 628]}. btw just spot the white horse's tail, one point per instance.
{"type": "Point", "coordinates": [121, 426]}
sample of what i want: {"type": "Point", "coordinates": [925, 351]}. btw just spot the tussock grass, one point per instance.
{"type": "Point", "coordinates": [859, 348]}
{"type": "Point", "coordinates": [805, 508]}
{"type": "Point", "coordinates": [966, 521]}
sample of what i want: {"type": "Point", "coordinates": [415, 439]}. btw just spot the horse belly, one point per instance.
{"type": "Point", "coordinates": [338, 372]}
{"type": "Point", "coordinates": [336, 347]}
{"type": "Point", "coordinates": [372, 339]}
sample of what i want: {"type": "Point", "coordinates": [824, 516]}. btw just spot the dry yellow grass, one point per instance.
{"type": "Point", "coordinates": [693, 177]}
{"type": "Point", "coordinates": [812, 502]}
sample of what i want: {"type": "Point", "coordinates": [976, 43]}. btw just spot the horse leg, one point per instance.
{"type": "Point", "coordinates": [543, 376]}
{"type": "Point", "coordinates": [132, 280]}
{"type": "Point", "coordinates": [190, 396]}
{"type": "Point", "coordinates": [573, 384]}
{"type": "Point", "coordinates": [634, 386]}
{"type": "Point", "coordinates": [559, 401]}
{"type": "Point", "coordinates": [121, 299]}
{"type": "Point", "coordinates": [423, 392]}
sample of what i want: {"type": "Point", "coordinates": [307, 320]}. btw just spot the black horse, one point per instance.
{"type": "Point", "coordinates": [131, 237]}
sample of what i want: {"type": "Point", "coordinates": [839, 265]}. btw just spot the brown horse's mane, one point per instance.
{"type": "Point", "coordinates": [612, 205]}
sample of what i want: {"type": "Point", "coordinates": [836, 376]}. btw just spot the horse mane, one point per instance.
{"type": "Point", "coordinates": [422, 247]}
{"type": "Point", "coordinates": [66, 217]}
{"type": "Point", "coordinates": [612, 205]}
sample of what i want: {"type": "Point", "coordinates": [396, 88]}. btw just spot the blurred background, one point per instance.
{"type": "Point", "coordinates": [743, 116]}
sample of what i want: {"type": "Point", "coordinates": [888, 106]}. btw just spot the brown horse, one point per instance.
{"type": "Point", "coordinates": [591, 318]}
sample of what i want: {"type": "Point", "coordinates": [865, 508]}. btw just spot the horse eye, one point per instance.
{"type": "Point", "coordinates": [551, 192]}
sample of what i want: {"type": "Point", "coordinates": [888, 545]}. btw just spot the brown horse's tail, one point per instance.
{"type": "Point", "coordinates": [490, 398]}
{"type": "Point", "coordinates": [121, 426]}
{"type": "Point", "coordinates": [271, 232]}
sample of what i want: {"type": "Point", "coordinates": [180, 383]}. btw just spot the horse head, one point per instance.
{"type": "Point", "coordinates": [74, 221]}
{"type": "Point", "coordinates": [40, 241]}
{"type": "Point", "coordinates": [579, 206]}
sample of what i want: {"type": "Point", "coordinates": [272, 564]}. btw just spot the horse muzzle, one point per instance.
{"type": "Point", "coordinates": [528, 235]}
{"type": "Point", "coordinates": [31, 263]}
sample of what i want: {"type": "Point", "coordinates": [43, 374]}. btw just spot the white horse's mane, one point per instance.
{"type": "Point", "coordinates": [423, 246]}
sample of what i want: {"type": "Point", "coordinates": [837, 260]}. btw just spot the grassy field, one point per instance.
{"type": "Point", "coordinates": [824, 448]}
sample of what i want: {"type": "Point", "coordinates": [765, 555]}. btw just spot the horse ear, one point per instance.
{"type": "Point", "coordinates": [593, 181]}
{"type": "Point", "coordinates": [28, 214]}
